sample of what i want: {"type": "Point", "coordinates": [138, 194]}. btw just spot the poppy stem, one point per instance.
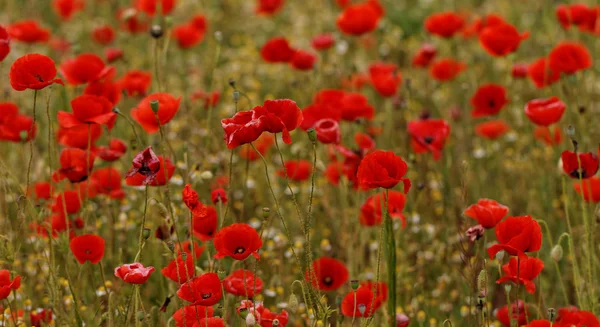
{"type": "Point", "coordinates": [137, 137]}
{"type": "Point", "coordinates": [12, 312]}
{"type": "Point", "coordinates": [379, 250]}
{"type": "Point", "coordinates": [31, 139]}
{"type": "Point", "coordinates": [104, 278]}
{"type": "Point", "coordinates": [391, 244]}
{"type": "Point", "coordinates": [156, 64]}
{"type": "Point", "coordinates": [141, 242]}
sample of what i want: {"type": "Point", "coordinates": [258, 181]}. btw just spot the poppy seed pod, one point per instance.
{"type": "Point", "coordinates": [156, 31]}
{"type": "Point", "coordinates": [266, 212]}
{"type": "Point", "coordinates": [146, 233]}
{"type": "Point", "coordinates": [354, 284]}
{"type": "Point", "coordinates": [154, 104]}
{"type": "Point", "coordinates": [312, 134]}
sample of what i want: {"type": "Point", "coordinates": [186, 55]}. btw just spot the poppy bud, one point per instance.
{"type": "Point", "coordinates": [171, 246]}
{"type": "Point", "coordinates": [236, 96]}
{"type": "Point", "coordinates": [293, 302]}
{"type": "Point", "coordinates": [219, 310]}
{"type": "Point", "coordinates": [500, 255]}
{"type": "Point", "coordinates": [266, 212]}
{"type": "Point", "coordinates": [354, 284]}
{"type": "Point", "coordinates": [140, 315]}
{"type": "Point", "coordinates": [169, 21]}
{"type": "Point", "coordinates": [23, 135]}
{"type": "Point", "coordinates": [156, 31]}
{"type": "Point", "coordinates": [116, 110]}
{"type": "Point", "coordinates": [551, 314]}
{"type": "Point", "coordinates": [222, 274]}
{"type": "Point", "coordinates": [146, 233]}
{"type": "Point", "coordinates": [312, 135]}
{"type": "Point", "coordinates": [154, 104]}
{"type": "Point", "coordinates": [251, 321]}
{"type": "Point", "coordinates": [507, 288]}
{"type": "Point", "coordinates": [243, 312]}
{"type": "Point", "coordinates": [557, 253]}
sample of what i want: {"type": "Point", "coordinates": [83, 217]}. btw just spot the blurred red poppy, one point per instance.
{"type": "Point", "coordinates": [113, 54]}
{"type": "Point", "coordinates": [329, 274]}
{"type": "Point", "coordinates": [43, 190]}
{"type": "Point", "coordinates": [204, 223]}
{"type": "Point", "coordinates": [488, 100]}
{"type": "Point", "coordinates": [545, 112]}
{"type": "Point", "coordinates": [134, 273]}
{"type": "Point", "coordinates": [136, 82]}
{"type": "Point", "coordinates": [385, 78]}
{"type": "Point", "coordinates": [116, 149]}
{"type": "Point", "coordinates": [303, 60]}
{"type": "Point", "coordinates": [85, 68]}
{"type": "Point", "coordinates": [577, 14]}
{"type": "Point", "coordinates": [361, 18]}
{"type": "Point", "coordinates": [323, 42]}
{"type": "Point", "coordinates": [501, 39]}
{"type": "Point", "coordinates": [219, 195]}
{"type": "Point", "coordinates": [569, 317]}
{"type": "Point", "coordinates": [268, 7]}
{"type": "Point", "coordinates": [541, 74]}
{"type": "Point", "coordinates": [579, 165]}
{"type": "Point", "coordinates": [237, 241]}
{"type": "Point", "coordinates": [360, 303]}
{"type": "Point", "coordinates": [297, 170]}
{"type": "Point", "coordinates": [267, 318]}
{"type": "Point", "coordinates": [424, 56]}
{"type": "Point", "coordinates": [316, 112]}
{"type": "Point", "coordinates": [277, 50]}
{"type": "Point", "coordinates": [103, 35]}
{"type": "Point", "coordinates": [210, 99]}
{"type": "Point", "coordinates": [520, 70]}
{"type": "Point", "coordinates": [518, 312]}
{"type": "Point", "coordinates": [210, 322]}
{"type": "Point", "coordinates": [444, 24]}
{"type": "Point", "coordinates": [243, 282]}
{"type": "Point", "coordinates": [7, 285]}
{"type": "Point", "coordinates": [380, 290]}
{"type": "Point", "coordinates": [168, 106]}
{"type": "Point", "coordinates": [371, 213]}
{"type": "Point", "coordinates": [180, 271]}
{"type": "Point", "coordinates": [33, 71]}
{"type": "Point", "coordinates": [328, 131]}
{"type": "Point", "coordinates": [88, 109]}
{"type": "Point", "coordinates": [446, 69]}
{"type": "Point", "coordinates": [488, 213]}
{"type": "Point", "coordinates": [150, 6]}
{"type": "Point", "coordinates": [88, 248]}
{"type": "Point", "coordinates": [41, 317]}
{"type": "Point", "coordinates": [262, 144]}
{"type": "Point", "coordinates": [428, 135]}
{"type": "Point", "coordinates": [107, 89]}
{"type": "Point", "coordinates": [591, 189]}
{"type": "Point", "coordinates": [28, 31]}
{"type": "Point", "coordinates": [383, 169]}
{"type": "Point", "coordinates": [569, 57]}
{"type": "Point", "coordinates": [107, 180]}
{"type": "Point", "coordinates": [517, 235]}
{"type": "Point", "coordinates": [17, 128]}
{"type": "Point", "coordinates": [131, 20]}
{"type": "Point", "coordinates": [4, 43]}
{"type": "Point", "coordinates": [492, 129]}
{"type": "Point", "coordinates": [204, 290]}
{"type": "Point", "coordinates": [544, 134]}
{"type": "Point", "coordinates": [186, 246]}
{"type": "Point", "coordinates": [355, 106]}
{"type": "Point", "coordinates": [191, 314]}
{"type": "Point", "coordinates": [75, 164]}
{"type": "Point", "coordinates": [79, 136]}
{"type": "Point", "coordinates": [188, 35]}
{"type": "Point", "coordinates": [67, 8]}
{"type": "Point", "coordinates": [67, 202]}
{"type": "Point", "coordinates": [522, 271]}
{"type": "Point", "coordinates": [479, 24]}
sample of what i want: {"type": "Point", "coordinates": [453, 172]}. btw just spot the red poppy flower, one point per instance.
{"type": "Point", "coordinates": [579, 165]}
{"type": "Point", "coordinates": [277, 50]}
{"type": "Point", "coordinates": [316, 112]}
{"type": "Point", "coordinates": [107, 181]}
{"type": "Point", "coordinates": [149, 169]}
{"type": "Point", "coordinates": [385, 78]}
{"type": "Point", "coordinates": [328, 131]}
{"type": "Point", "coordinates": [107, 89]}
{"type": "Point", "coordinates": [544, 134]}
{"type": "Point", "coordinates": [446, 69]}
{"type": "Point", "coordinates": [517, 235]}
{"type": "Point", "coordinates": [444, 24]}
{"type": "Point", "coordinates": [8, 110]}
{"type": "Point", "coordinates": [210, 99]}
{"type": "Point", "coordinates": [569, 57]}
{"type": "Point", "coordinates": [520, 70]}
{"type": "Point", "coordinates": [573, 317]}
{"type": "Point", "coordinates": [501, 39]}
{"type": "Point", "coordinates": [41, 317]}
{"type": "Point", "coordinates": [187, 35]}
{"type": "Point", "coordinates": [203, 290]}
{"type": "Point", "coordinates": [424, 56]}
{"type": "Point", "coordinates": [303, 60]}
{"type": "Point", "coordinates": [204, 224]}
{"type": "Point", "coordinates": [145, 116]}
{"type": "Point", "coordinates": [219, 195]}
{"type": "Point", "coordinates": [479, 24]}
{"type": "Point", "coordinates": [488, 100]}
{"type": "Point", "coordinates": [268, 7]}
{"type": "Point", "coordinates": [488, 213]}
{"type": "Point", "coordinates": [13, 127]}
{"type": "Point", "coordinates": [74, 164]}
{"type": "Point", "coordinates": [322, 42]}
{"type": "Point", "coordinates": [268, 318]}
{"type": "Point", "coordinates": [522, 272]}
{"type": "Point", "coordinates": [60, 45]}
{"type": "Point", "coordinates": [33, 71]}
{"type": "Point", "coordinates": [130, 20]}
{"type": "Point", "coordinates": [43, 191]}
{"type": "Point", "coordinates": [191, 314]}
{"type": "Point", "coordinates": [428, 135]}
{"type": "Point", "coordinates": [541, 74]}
{"type": "Point", "coordinates": [244, 127]}
{"type": "Point", "coordinates": [113, 54]}
{"type": "Point", "coordinates": [88, 109]}
{"type": "Point", "coordinates": [67, 202]}
{"type": "Point", "coordinates": [242, 282]}
{"type": "Point", "coordinates": [518, 312]}
{"type": "Point", "coordinates": [380, 290]}
{"type": "Point", "coordinates": [577, 14]}
{"type": "Point", "coordinates": [77, 137]}
{"type": "Point", "coordinates": [67, 8]}
{"type": "Point", "coordinates": [358, 19]}
{"type": "Point", "coordinates": [262, 144]}
{"type": "Point", "coordinates": [360, 304]}
{"type": "Point", "coordinates": [186, 246]}
{"type": "Point", "coordinates": [371, 211]}
{"type": "Point", "coordinates": [4, 43]}
{"type": "Point", "coordinates": [134, 273]}
{"type": "Point", "coordinates": [136, 82]}
{"type": "Point", "coordinates": [150, 6]}
{"type": "Point", "coordinates": [103, 35]}
{"type": "Point", "coordinates": [85, 68]}
{"type": "Point", "coordinates": [7, 285]}
{"type": "Point", "coordinates": [28, 31]}
{"type": "Point", "coordinates": [383, 169]}
{"type": "Point", "coordinates": [210, 322]}
{"type": "Point", "coordinates": [537, 323]}
{"type": "Point", "coordinates": [545, 112]}
{"type": "Point", "coordinates": [591, 189]}
{"type": "Point", "coordinates": [116, 149]}
{"type": "Point", "coordinates": [180, 271]}
{"type": "Point", "coordinates": [237, 241]}
{"type": "Point", "coordinates": [297, 170]}
{"type": "Point", "coordinates": [190, 198]}
{"type": "Point", "coordinates": [355, 106]}
{"type": "Point", "coordinates": [492, 129]}
{"type": "Point", "coordinates": [88, 248]}
{"type": "Point", "coordinates": [329, 274]}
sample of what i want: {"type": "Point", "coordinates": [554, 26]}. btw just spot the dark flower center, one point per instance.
{"type": "Point", "coordinates": [492, 103]}
{"type": "Point", "coordinates": [206, 295]}
{"type": "Point", "coordinates": [576, 174]}
{"type": "Point", "coordinates": [428, 139]}
{"type": "Point", "coordinates": [88, 252]}
{"type": "Point", "coordinates": [327, 280]}
{"type": "Point", "coordinates": [39, 78]}
{"type": "Point", "coordinates": [240, 250]}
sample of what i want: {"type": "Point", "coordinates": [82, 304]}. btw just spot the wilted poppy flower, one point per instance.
{"type": "Point", "coordinates": [518, 312]}
{"type": "Point", "coordinates": [147, 164]}
{"type": "Point", "coordinates": [116, 149]}
{"type": "Point", "coordinates": [85, 68]}
{"type": "Point", "coordinates": [517, 235]}
{"type": "Point", "coordinates": [303, 60]}
{"type": "Point", "coordinates": [371, 212]}
{"type": "Point", "coordinates": [569, 317]}
{"type": "Point", "coordinates": [88, 248]}
{"type": "Point", "coordinates": [66, 8]}
{"type": "Point", "coordinates": [328, 131]}
{"type": "Point", "coordinates": [145, 116]}
{"type": "Point", "coordinates": [7, 285]}
{"type": "Point", "coordinates": [79, 136]}
{"type": "Point", "coordinates": [492, 129]}
{"type": "Point", "coordinates": [210, 99]}
{"type": "Point", "coordinates": [591, 189]}
{"type": "Point", "coordinates": [520, 70]}
{"type": "Point", "coordinates": [383, 169]}
{"type": "Point", "coordinates": [28, 31]}
{"type": "Point", "coordinates": [243, 282]}
{"type": "Point", "coordinates": [501, 39]}
{"type": "Point", "coordinates": [4, 43]}
{"type": "Point", "coordinates": [88, 109]}
{"type": "Point", "coordinates": [203, 290]}
{"type": "Point", "coordinates": [75, 164]}
{"type": "Point", "coordinates": [361, 18]}
{"type": "Point", "coordinates": [103, 35]}
{"type": "Point", "coordinates": [428, 135]}
{"type": "Point", "coordinates": [488, 213]}
{"type": "Point", "coordinates": [150, 6]}
{"type": "Point", "coordinates": [107, 181]}
{"type": "Point", "coordinates": [204, 223]}
{"type": "Point", "coordinates": [488, 100]}
{"type": "Point", "coordinates": [545, 112]}
{"type": "Point", "coordinates": [579, 165]}
{"type": "Point", "coordinates": [329, 274]}
{"type": "Point", "coordinates": [134, 273]}
{"type": "Point", "coordinates": [360, 304]}
{"type": "Point", "coordinates": [237, 241]}
{"type": "Point", "coordinates": [191, 314]}
{"type": "Point", "coordinates": [219, 195]}
{"type": "Point", "coordinates": [569, 57]}
{"type": "Point", "coordinates": [446, 69]}
{"type": "Point", "coordinates": [297, 170]}
{"type": "Point", "coordinates": [323, 42]}
{"type": "Point", "coordinates": [107, 89]}
{"type": "Point", "coordinates": [67, 202]}
{"type": "Point", "coordinates": [385, 78]}
{"type": "Point", "coordinates": [268, 7]}
{"type": "Point", "coordinates": [544, 134]}
{"type": "Point", "coordinates": [113, 54]}
{"type": "Point", "coordinates": [180, 271]}
{"type": "Point", "coordinates": [444, 24]}
{"type": "Point", "coordinates": [522, 271]}
{"type": "Point", "coordinates": [424, 56]}
{"type": "Point", "coordinates": [33, 71]}
{"type": "Point", "coordinates": [277, 50]}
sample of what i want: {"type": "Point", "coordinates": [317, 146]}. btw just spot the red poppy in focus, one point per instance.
{"type": "Point", "coordinates": [569, 57]}
{"type": "Point", "coordinates": [385, 78]}
{"type": "Point", "coordinates": [67, 8]}
{"type": "Point", "coordinates": [107, 89]}
{"type": "Point", "coordinates": [579, 165]}
{"type": "Point", "coordinates": [88, 109]}
{"type": "Point", "coordinates": [237, 241]}
{"type": "Point", "coordinates": [446, 69]}
{"type": "Point", "coordinates": [517, 235]}
{"type": "Point", "coordinates": [161, 177]}
{"type": "Point", "coordinates": [67, 202]}
{"type": "Point", "coordinates": [360, 303]}
{"type": "Point", "coordinates": [297, 170]}
{"type": "Point", "coordinates": [28, 31]}
{"type": "Point", "coordinates": [107, 181]}
{"type": "Point", "coordinates": [103, 35]}
{"type": "Point", "coordinates": [545, 112]}
{"type": "Point", "coordinates": [219, 195]}
{"type": "Point", "coordinates": [134, 273]}
{"type": "Point", "coordinates": [371, 213]}
{"type": "Point", "coordinates": [33, 71]}
{"type": "Point", "coordinates": [303, 60]}
{"type": "Point", "coordinates": [7, 285]}
{"type": "Point", "coordinates": [518, 312]}
{"type": "Point", "coordinates": [85, 68]}
{"type": "Point", "coordinates": [277, 50]}
{"type": "Point", "coordinates": [190, 314]}
{"type": "Point", "coordinates": [541, 74]}
{"type": "Point", "coordinates": [74, 165]}
{"type": "Point", "coordinates": [180, 271]}
{"type": "Point", "coordinates": [591, 189]}
{"type": "Point", "coordinates": [328, 131]}
{"type": "Point", "coordinates": [520, 70]}
{"type": "Point", "coordinates": [444, 24]}
{"type": "Point", "coordinates": [268, 7]}
{"type": "Point", "coordinates": [116, 149]}
{"type": "Point", "coordinates": [145, 163]}
{"type": "Point", "coordinates": [383, 169]}
{"type": "Point", "coordinates": [544, 134]}
{"type": "Point", "coordinates": [243, 282]}
{"type": "Point", "coordinates": [424, 56]}
{"type": "Point", "coordinates": [358, 19]}
{"type": "Point", "coordinates": [77, 137]}
{"type": "Point", "coordinates": [4, 43]}
{"type": "Point", "coordinates": [501, 39]}
{"type": "Point", "coordinates": [329, 274]}
{"type": "Point", "coordinates": [210, 99]}
{"type": "Point", "coordinates": [569, 317]}
{"type": "Point", "coordinates": [145, 116]}
{"type": "Point", "coordinates": [488, 100]}
{"type": "Point", "coordinates": [488, 213]}
{"type": "Point", "coordinates": [203, 290]}
{"type": "Point", "coordinates": [492, 129]}
{"type": "Point", "coordinates": [522, 272]}
{"type": "Point", "coordinates": [204, 223]}
{"type": "Point", "coordinates": [113, 54]}
{"type": "Point", "coordinates": [88, 248]}
{"type": "Point", "coordinates": [321, 42]}
{"type": "Point", "coordinates": [150, 6]}
{"type": "Point", "coordinates": [428, 135]}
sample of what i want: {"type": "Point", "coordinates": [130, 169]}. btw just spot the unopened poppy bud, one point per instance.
{"type": "Point", "coordinates": [557, 252]}
{"type": "Point", "coordinates": [154, 104]}
{"type": "Point", "coordinates": [243, 313]}
{"type": "Point", "coordinates": [362, 308]}
{"type": "Point", "coordinates": [236, 96]}
{"type": "Point", "coordinates": [23, 135]}
{"type": "Point", "coordinates": [156, 31]}
{"type": "Point", "coordinates": [184, 255]}
{"type": "Point", "coordinates": [354, 284]}
{"type": "Point", "coordinates": [266, 212]}
{"type": "Point", "coordinates": [312, 135]}
{"type": "Point", "coordinates": [116, 110]}
{"type": "Point", "coordinates": [218, 36]}
{"type": "Point", "coordinates": [482, 281]}
{"type": "Point", "coordinates": [293, 303]}
{"type": "Point", "coordinates": [146, 233]}
{"type": "Point", "coordinates": [500, 255]}
{"type": "Point", "coordinates": [551, 314]}
{"type": "Point", "coordinates": [571, 131]}
{"type": "Point", "coordinates": [507, 288]}
{"type": "Point", "coordinates": [250, 320]}
{"type": "Point", "coordinates": [140, 315]}
{"type": "Point", "coordinates": [171, 246]}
